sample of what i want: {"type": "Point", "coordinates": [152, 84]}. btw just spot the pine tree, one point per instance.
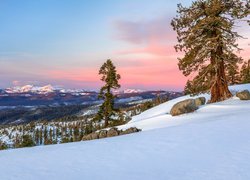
{"type": "Point", "coordinates": [37, 136]}
{"type": "Point", "coordinates": [27, 141]}
{"type": "Point", "coordinates": [3, 145]}
{"type": "Point", "coordinates": [188, 89]}
{"type": "Point", "coordinates": [41, 136]}
{"type": "Point", "coordinates": [205, 34]}
{"type": "Point", "coordinates": [110, 78]}
{"type": "Point", "coordinates": [245, 72]}
{"type": "Point", "coordinates": [232, 71]}
{"type": "Point", "coordinates": [45, 135]}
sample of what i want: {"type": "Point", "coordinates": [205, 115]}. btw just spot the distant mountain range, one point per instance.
{"type": "Point", "coordinates": [30, 95]}
{"type": "Point", "coordinates": [30, 103]}
{"type": "Point", "coordinates": [40, 89]}
{"type": "Point", "coordinates": [49, 89]}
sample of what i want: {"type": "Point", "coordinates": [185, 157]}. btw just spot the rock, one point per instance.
{"type": "Point", "coordinates": [200, 101]}
{"type": "Point", "coordinates": [112, 132]}
{"type": "Point", "coordinates": [91, 136]}
{"type": "Point", "coordinates": [102, 134]}
{"type": "Point", "coordinates": [94, 135]}
{"type": "Point", "coordinates": [244, 95]}
{"type": "Point", "coordinates": [183, 107]}
{"type": "Point", "coordinates": [86, 137]}
{"type": "Point", "coordinates": [130, 130]}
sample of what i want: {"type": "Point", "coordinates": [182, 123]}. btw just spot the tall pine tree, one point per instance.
{"type": "Point", "coordinates": [205, 34]}
{"type": "Point", "coordinates": [110, 78]}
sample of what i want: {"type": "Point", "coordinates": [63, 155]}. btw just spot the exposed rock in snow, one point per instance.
{"type": "Point", "coordinates": [183, 107]}
{"type": "Point", "coordinates": [243, 95]}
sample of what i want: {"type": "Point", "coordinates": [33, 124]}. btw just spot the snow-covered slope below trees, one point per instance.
{"type": "Point", "coordinates": [165, 108]}
{"type": "Point", "coordinates": [212, 143]}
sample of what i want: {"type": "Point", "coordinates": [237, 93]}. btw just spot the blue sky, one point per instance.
{"type": "Point", "coordinates": [63, 42]}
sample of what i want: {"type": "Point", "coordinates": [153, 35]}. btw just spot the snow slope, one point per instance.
{"type": "Point", "coordinates": [212, 143]}
{"type": "Point", "coordinates": [166, 107]}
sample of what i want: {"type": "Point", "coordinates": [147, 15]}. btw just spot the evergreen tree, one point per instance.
{"type": "Point", "coordinates": [27, 141]}
{"type": "Point", "coordinates": [233, 74]}
{"type": "Point", "coordinates": [188, 89]}
{"type": "Point", "coordinates": [110, 78]}
{"type": "Point", "coordinates": [45, 136]}
{"type": "Point", "coordinates": [3, 145]}
{"type": "Point", "coordinates": [41, 136]}
{"type": "Point", "coordinates": [37, 136]}
{"type": "Point", "coordinates": [232, 69]}
{"type": "Point", "coordinates": [245, 72]}
{"type": "Point", "coordinates": [205, 34]}
{"type": "Point", "coordinates": [76, 133]}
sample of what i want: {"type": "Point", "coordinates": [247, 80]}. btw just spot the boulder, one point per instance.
{"type": "Point", "coordinates": [183, 107]}
{"type": "Point", "coordinates": [244, 95]}
{"type": "Point", "coordinates": [91, 136]}
{"type": "Point", "coordinates": [86, 137]}
{"type": "Point", "coordinates": [112, 132]}
{"type": "Point", "coordinates": [102, 134]}
{"type": "Point", "coordinates": [200, 101]}
{"type": "Point", "coordinates": [94, 135]}
{"type": "Point", "coordinates": [130, 130]}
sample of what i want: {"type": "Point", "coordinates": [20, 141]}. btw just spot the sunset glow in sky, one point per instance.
{"type": "Point", "coordinates": [63, 42]}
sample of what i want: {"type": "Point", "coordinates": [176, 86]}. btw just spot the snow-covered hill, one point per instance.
{"type": "Point", "coordinates": [212, 143]}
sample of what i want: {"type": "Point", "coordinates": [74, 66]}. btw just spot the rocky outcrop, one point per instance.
{"type": "Point", "coordinates": [112, 132]}
{"type": "Point", "coordinates": [109, 133]}
{"type": "Point", "coordinates": [183, 107]}
{"type": "Point", "coordinates": [129, 131]}
{"type": "Point", "coordinates": [200, 101]}
{"type": "Point", "coordinates": [103, 134]}
{"type": "Point", "coordinates": [244, 95]}
{"type": "Point", "coordinates": [91, 136]}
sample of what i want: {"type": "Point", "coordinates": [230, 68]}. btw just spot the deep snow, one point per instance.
{"type": "Point", "coordinates": [212, 143]}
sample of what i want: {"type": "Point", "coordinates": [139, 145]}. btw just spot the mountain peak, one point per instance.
{"type": "Point", "coordinates": [31, 88]}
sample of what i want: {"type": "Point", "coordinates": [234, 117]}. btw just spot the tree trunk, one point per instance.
{"type": "Point", "coordinates": [219, 89]}
{"type": "Point", "coordinates": [106, 123]}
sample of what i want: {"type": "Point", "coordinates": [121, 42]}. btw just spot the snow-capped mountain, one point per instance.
{"type": "Point", "coordinates": [128, 91]}
{"type": "Point", "coordinates": [45, 90]}
{"type": "Point", "coordinates": [31, 89]}
{"type": "Point", "coordinates": [31, 95]}
{"type": "Point", "coordinates": [49, 89]}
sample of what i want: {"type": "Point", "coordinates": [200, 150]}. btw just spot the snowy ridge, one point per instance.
{"type": "Point", "coordinates": [49, 88]}
{"type": "Point", "coordinates": [128, 91]}
{"type": "Point", "coordinates": [31, 88]}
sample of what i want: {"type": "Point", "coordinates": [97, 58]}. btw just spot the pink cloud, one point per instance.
{"type": "Point", "coordinates": [137, 32]}
{"type": "Point", "coordinates": [156, 49]}
{"type": "Point", "coordinates": [157, 39]}
{"type": "Point", "coordinates": [154, 37]}
{"type": "Point", "coordinates": [75, 74]}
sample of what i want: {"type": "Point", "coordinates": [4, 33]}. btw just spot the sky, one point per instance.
{"type": "Point", "coordinates": [64, 43]}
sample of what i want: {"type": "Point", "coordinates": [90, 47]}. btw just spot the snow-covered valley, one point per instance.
{"type": "Point", "coordinates": [213, 143]}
